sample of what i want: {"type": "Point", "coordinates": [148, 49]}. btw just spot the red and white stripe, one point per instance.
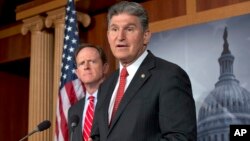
{"type": "Point", "coordinates": [68, 95]}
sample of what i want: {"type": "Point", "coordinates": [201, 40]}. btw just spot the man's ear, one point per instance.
{"type": "Point", "coordinates": [147, 36]}
{"type": "Point", "coordinates": [77, 72]}
{"type": "Point", "coordinates": [105, 68]}
{"type": "Point", "coordinates": [107, 33]}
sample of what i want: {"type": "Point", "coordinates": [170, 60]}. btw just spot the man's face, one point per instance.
{"type": "Point", "coordinates": [90, 69]}
{"type": "Point", "coordinates": [126, 37]}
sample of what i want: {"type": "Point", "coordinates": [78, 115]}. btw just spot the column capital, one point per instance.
{"type": "Point", "coordinates": [84, 19]}
{"type": "Point", "coordinates": [32, 24]}
{"type": "Point", "coordinates": [58, 17]}
{"type": "Point", "coordinates": [55, 17]}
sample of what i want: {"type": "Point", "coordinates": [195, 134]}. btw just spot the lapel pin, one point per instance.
{"type": "Point", "coordinates": [142, 75]}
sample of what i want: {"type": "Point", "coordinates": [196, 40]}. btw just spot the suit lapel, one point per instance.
{"type": "Point", "coordinates": [142, 74]}
{"type": "Point", "coordinates": [80, 108]}
{"type": "Point", "coordinates": [109, 93]}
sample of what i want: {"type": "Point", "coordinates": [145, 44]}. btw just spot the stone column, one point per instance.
{"type": "Point", "coordinates": [41, 72]}
{"type": "Point", "coordinates": [56, 19]}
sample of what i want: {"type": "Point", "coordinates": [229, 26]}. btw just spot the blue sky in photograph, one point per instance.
{"type": "Point", "coordinates": [197, 49]}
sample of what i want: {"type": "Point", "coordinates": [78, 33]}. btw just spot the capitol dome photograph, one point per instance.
{"type": "Point", "coordinates": [227, 104]}
{"type": "Point", "coordinates": [216, 57]}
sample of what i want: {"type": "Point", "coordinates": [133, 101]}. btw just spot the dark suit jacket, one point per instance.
{"type": "Point", "coordinates": [76, 109]}
{"type": "Point", "coordinates": [157, 106]}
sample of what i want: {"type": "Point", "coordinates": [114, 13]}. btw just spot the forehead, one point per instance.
{"type": "Point", "coordinates": [88, 52]}
{"type": "Point", "coordinates": [124, 18]}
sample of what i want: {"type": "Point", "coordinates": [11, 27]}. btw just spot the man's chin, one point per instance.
{"type": "Point", "coordinates": [121, 57]}
{"type": "Point", "coordinates": [88, 82]}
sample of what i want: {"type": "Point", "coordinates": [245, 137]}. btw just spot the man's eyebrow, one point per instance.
{"type": "Point", "coordinates": [127, 25]}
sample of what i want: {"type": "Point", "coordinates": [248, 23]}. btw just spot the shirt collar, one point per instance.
{"type": "Point", "coordinates": [132, 68]}
{"type": "Point", "coordinates": [94, 94]}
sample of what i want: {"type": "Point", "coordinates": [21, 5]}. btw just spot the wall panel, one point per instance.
{"type": "Point", "coordinates": [203, 5]}
{"type": "Point", "coordinates": [14, 48]}
{"type": "Point", "coordinates": [14, 92]}
{"type": "Point", "coordinates": [165, 9]}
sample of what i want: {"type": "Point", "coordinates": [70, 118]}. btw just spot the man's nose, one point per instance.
{"type": "Point", "coordinates": [86, 65]}
{"type": "Point", "coordinates": [121, 35]}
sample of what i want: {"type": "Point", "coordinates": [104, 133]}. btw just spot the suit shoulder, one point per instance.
{"type": "Point", "coordinates": [79, 104]}
{"type": "Point", "coordinates": [167, 65]}
{"type": "Point", "coordinates": [110, 79]}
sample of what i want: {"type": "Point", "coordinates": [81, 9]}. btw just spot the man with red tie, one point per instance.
{"type": "Point", "coordinates": [91, 63]}
{"type": "Point", "coordinates": [147, 98]}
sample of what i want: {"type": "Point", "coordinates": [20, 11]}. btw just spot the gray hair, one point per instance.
{"type": "Point", "coordinates": [131, 8]}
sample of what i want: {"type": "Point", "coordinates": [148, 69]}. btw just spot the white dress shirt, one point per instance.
{"type": "Point", "coordinates": [87, 103]}
{"type": "Point", "coordinates": [132, 68]}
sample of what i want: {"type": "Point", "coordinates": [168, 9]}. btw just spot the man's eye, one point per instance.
{"type": "Point", "coordinates": [80, 64]}
{"type": "Point", "coordinates": [92, 61]}
{"type": "Point", "coordinates": [114, 29]}
{"type": "Point", "coordinates": [130, 29]}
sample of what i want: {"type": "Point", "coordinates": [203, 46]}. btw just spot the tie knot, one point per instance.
{"type": "Point", "coordinates": [91, 98]}
{"type": "Point", "coordinates": [124, 72]}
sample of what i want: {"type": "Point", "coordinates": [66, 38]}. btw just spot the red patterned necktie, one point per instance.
{"type": "Point", "coordinates": [88, 119]}
{"type": "Point", "coordinates": [120, 91]}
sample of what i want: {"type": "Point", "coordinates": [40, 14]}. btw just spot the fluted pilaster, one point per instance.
{"type": "Point", "coordinates": [41, 72]}
{"type": "Point", "coordinates": [56, 19]}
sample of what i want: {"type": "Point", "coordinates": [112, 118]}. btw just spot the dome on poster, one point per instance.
{"type": "Point", "coordinates": [227, 104]}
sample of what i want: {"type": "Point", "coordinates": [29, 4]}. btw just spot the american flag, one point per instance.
{"type": "Point", "coordinates": [71, 89]}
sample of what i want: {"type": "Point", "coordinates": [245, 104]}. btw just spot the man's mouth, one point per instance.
{"type": "Point", "coordinates": [121, 45]}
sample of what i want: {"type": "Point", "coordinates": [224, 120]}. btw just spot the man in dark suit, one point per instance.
{"type": "Point", "coordinates": [92, 66]}
{"type": "Point", "coordinates": [157, 103]}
